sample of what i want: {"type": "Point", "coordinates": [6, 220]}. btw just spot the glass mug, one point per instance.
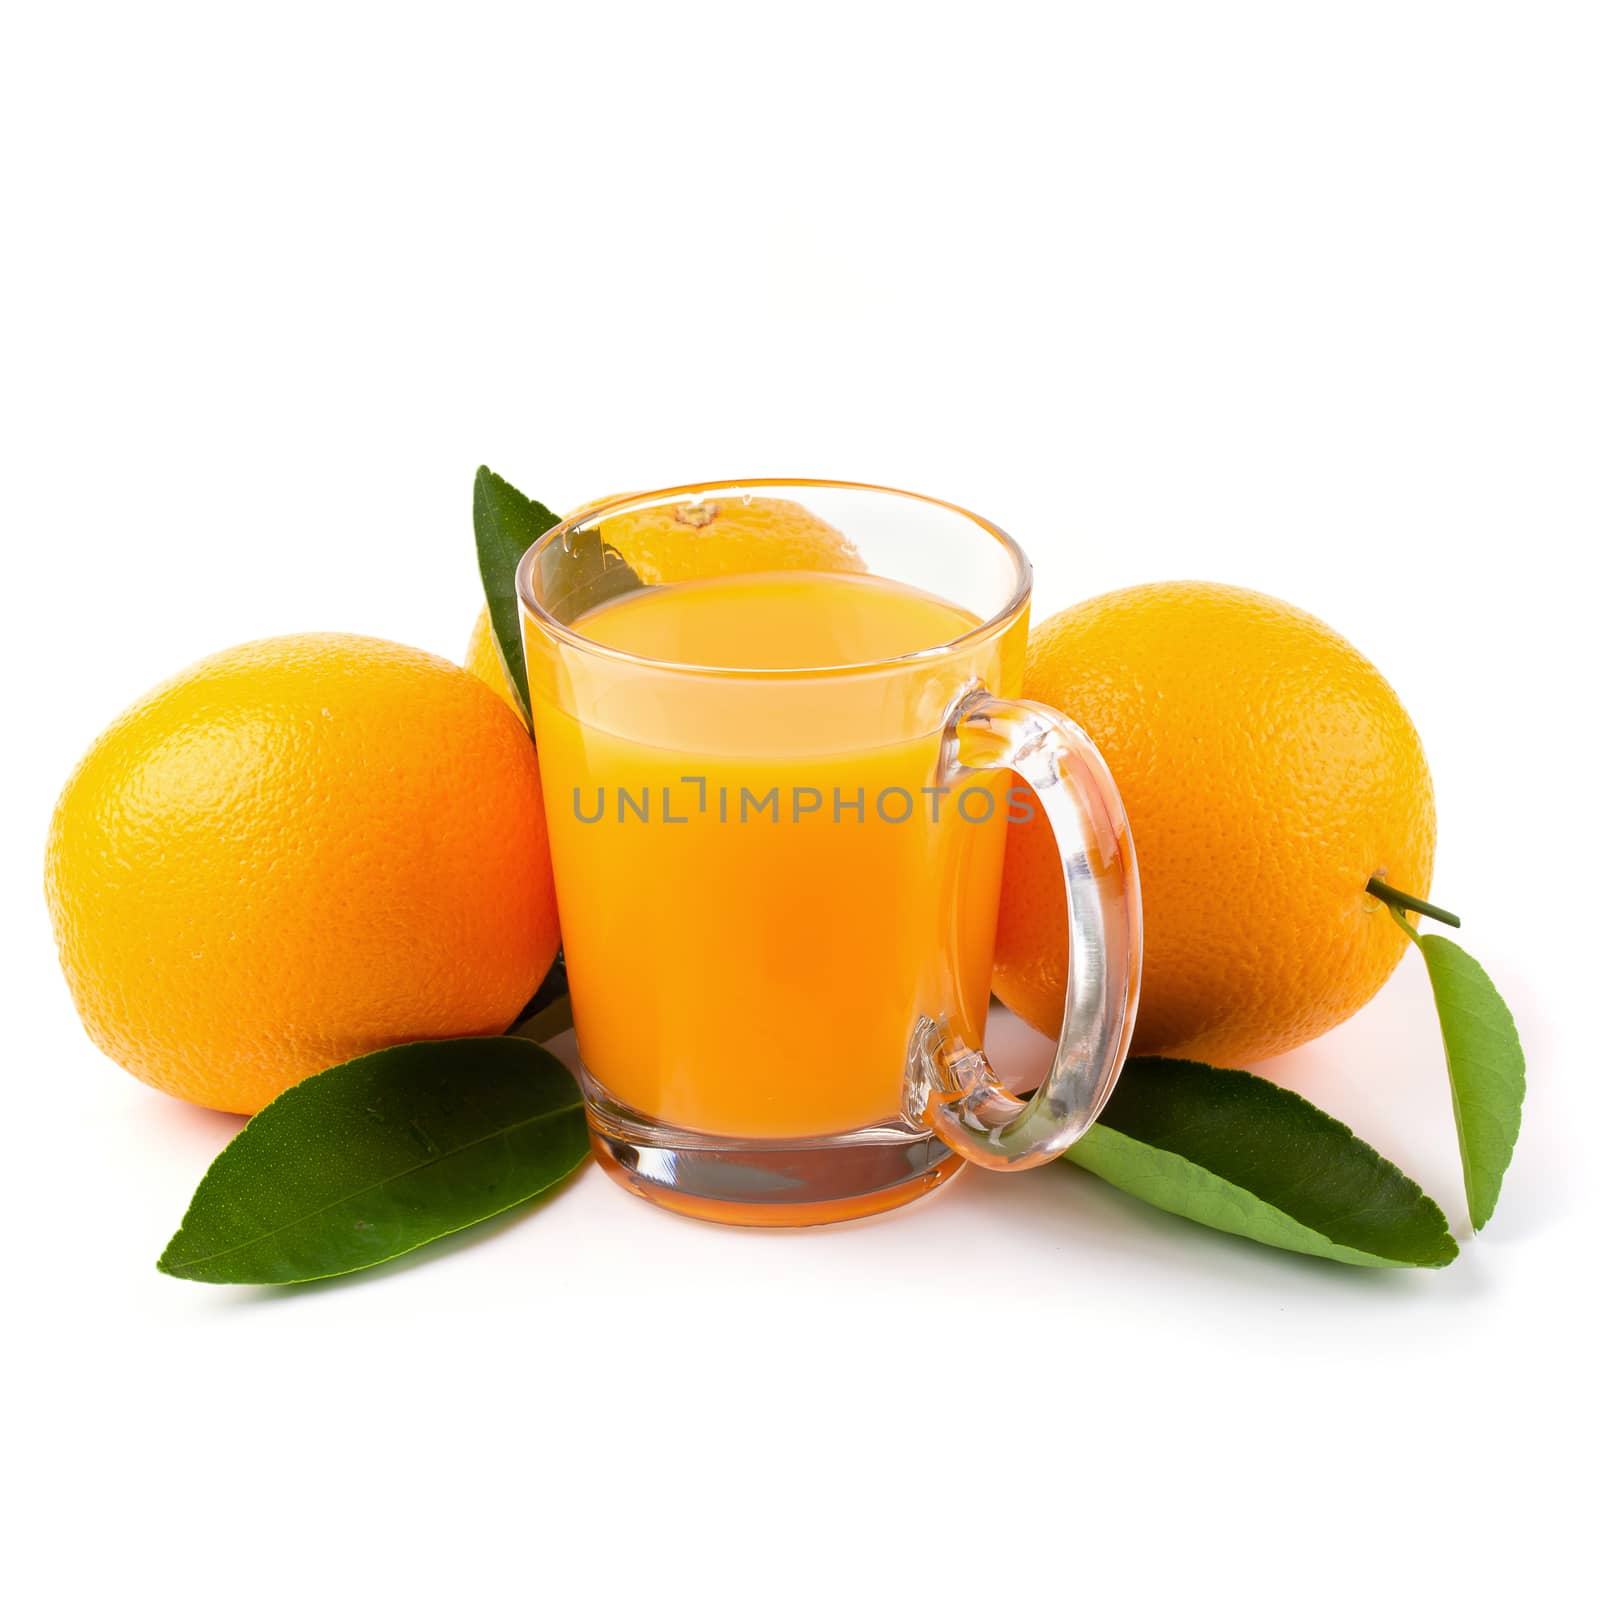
{"type": "Point", "coordinates": [777, 798]}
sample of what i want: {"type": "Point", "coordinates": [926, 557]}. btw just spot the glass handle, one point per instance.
{"type": "Point", "coordinates": [950, 1086]}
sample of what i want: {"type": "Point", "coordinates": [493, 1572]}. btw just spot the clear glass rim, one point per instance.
{"type": "Point", "coordinates": [1021, 588]}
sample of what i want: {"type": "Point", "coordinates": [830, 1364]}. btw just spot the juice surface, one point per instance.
{"type": "Point", "coordinates": [769, 620]}
{"type": "Point", "coordinates": [758, 894]}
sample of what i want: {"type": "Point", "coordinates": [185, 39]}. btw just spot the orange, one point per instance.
{"type": "Point", "coordinates": [294, 852]}
{"type": "Point", "coordinates": [699, 539]}
{"type": "Point", "coordinates": [1269, 771]}
{"type": "Point", "coordinates": [483, 662]}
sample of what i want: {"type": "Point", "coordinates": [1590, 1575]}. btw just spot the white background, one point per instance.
{"type": "Point", "coordinates": [1297, 297]}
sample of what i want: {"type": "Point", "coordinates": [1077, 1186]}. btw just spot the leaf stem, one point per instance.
{"type": "Point", "coordinates": [1401, 901]}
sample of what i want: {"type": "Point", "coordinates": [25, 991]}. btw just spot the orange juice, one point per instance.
{"type": "Point", "coordinates": [751, 936]}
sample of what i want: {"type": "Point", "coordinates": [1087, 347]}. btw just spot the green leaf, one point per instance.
{"type": "Point", "coordinates": [549, 1012]}
{"type": "Point", "coordinates": [551, 989]}
{"type": "Point", "coordinates": [370, 1159]}
{"type": "Point", "coordinates": [505, 522]}
{"type": "Point", "coordinates": [1237, 1153]}
{"type": "Point", "coordinates": [542, 1026]}
{"type": "Point", "coordinates": [584, 572]}
{"type": "Point", "coordinates": [1488, 1075]}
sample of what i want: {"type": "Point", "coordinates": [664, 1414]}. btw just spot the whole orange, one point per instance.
{"type": "Point", "coordinates": [1269, 771]}
{"type": "Point", "coordinates": [294, 852]}
{"type": "Point", "coordinates": [698, 539]}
